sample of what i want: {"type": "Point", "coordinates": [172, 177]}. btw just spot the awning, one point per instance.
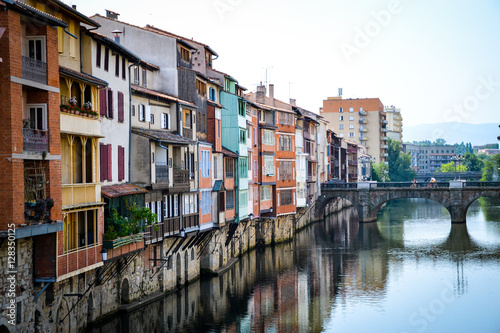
{"type": "Point", "coordinates": [218, 186]}
{"type": "Point", "coordinates": [163, 136]}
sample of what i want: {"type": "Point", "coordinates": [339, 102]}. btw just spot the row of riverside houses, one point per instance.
{"type": "Point", "coordinates": [103, 119]}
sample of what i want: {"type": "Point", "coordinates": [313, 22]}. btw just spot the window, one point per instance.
{"type": "Point", "coordinates": [243, 198]}
{"type": "Point", "coordinates": [152, 116]}
{"type": "Point", "coordinates": [144, 78]}
{"type": "Point", "coordinates": [37, 114]}
{"type": "Point", "coordinates": [351, 118]}
{"type": "Point", "coordinates": [269, 165]}
{"type": "Point", "coordinates": [243, 167]}
{"type": "Point", "coordinates": [190, 203]}
{"type": "Point", "coordinates": [229, 168]}
{"type": "Point", "coordinates": [36, 48]}
{"type": "Point", "coordinates": [351, 109]}
{"type": "Point", "coordinates": [341, 126]}
{"type": "Point", "coordinates": [170, 206]}
{"type": "Point", "coordinates": [262, 116]}
{"type": "Point", "coordinates": [265, 193]}
{"type": "Point", "coordinates": [186, 119]}
{"type": "Point", "coordinates": [215, 166]}
{"type": "Point", "coordinates": [351, 126]}
{"type": "Point", "coordinates": [117, 65]}
{"type": "Point", "coordinates": [109, 109]}
{"type": "Point", "coordinates": [341, 118]}
{"type": "Point", "coordinates": [124, 67]}
{"type": "Point", "coordinates": [80, 230]}
{"type": "Point", "coordinates": [351, 134]}
{"type": "Point", "coordinates": [285, 118]}
{"type": "Point", "coordinates": [205, 163]}
{"type": "Point", "coordinates": [361, 108]}
{"type": "Point", "coordinates": [106, 162]}
{"type": "Point", "coordinates": [285, 142]}
{"type": "Point", "coordinates": [286, 197]}
{"type": "Point", "coordinates": [165, 121]}
{"type": "Point", "coordinates": [206, 202]}
{"type": "Point", "coordinates": [268, 137]}
{"type": "Point", "coordinates": [286, 171]}
{"type": "Point", "coordinates": [243, 136]}
{"type": "Point", "coordinates": [212, 94]}
{"type": "Point", "coordinates": [136, 75]}
{"type": "Point", "coordinates": [98, 55]}
{"type": "Point", "coordinates": [341, 110]}
{"type": "Point", "coordinates": [185, 54]}
{"type": "Point", "coordinates": [121, 163]}
{"type": "Point", "coordinates": [142, 116]}
{"type": "Point", "coordinates": [78, 157]}
{"type": "Point", "coordinates": [106, 59]}
{"type": "Point", "coordinates": [229, 199]}
{"type": "Point", "coordinates": [201, 88]}
{"type": "Point", "coordinates": [121, 109]}
{"type": "Point", "coordinates": [241, 108]}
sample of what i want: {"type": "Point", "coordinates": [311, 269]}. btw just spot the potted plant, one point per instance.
{"type": "Point", "coordinates": [64, 108]}
{"type": "Point", "coordinates": [26, 123]}
{"type": "Point", "coordinates": [50, 203]}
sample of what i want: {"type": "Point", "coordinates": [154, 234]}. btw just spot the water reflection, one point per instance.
{"type": "Point", "coordinates": [411, 271]}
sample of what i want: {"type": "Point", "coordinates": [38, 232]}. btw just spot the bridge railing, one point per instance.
{"type": "Point", "coordinates": [410, 185]}
{"type": "Point", "coordinates": [338, 185]}
{"type": "Point", "coordinates": [481, 184]}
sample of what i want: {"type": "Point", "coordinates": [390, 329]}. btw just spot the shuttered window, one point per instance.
{"type": "Point", "coordinates": [110, 104]}
{"type": "Point", "coordinates": [121, 116]}
{"type": "Point", "coordinates": [103, 102]}
{"type": "Point", "coordinates": [105, 162]}
{"type": "Point", "coordinates": [121, 163]}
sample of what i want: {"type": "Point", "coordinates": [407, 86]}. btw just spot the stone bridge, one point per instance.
{"type": "Point", "coordinates": [368, 197]}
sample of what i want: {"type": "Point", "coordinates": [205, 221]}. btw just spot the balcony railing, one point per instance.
{"type": "Point", "coordinates": [161, 172]}
{"type": "Point", "coordinates": [35, 140]}
{"type": "Point", "coordinates": [353, 162]}
{"type": "Point", "coordinates": [190, 221]}
{"type": "Point", "coordinates": [76, 194]}
{"type": "Point", "coordinates": [34, 70]}
{"type": "Point", "coordinates": [181, 177]}
{"type": "Point", "coordinates": [187, 133]}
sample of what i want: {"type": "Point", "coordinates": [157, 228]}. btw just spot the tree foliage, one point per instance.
{"type": "Point", "coordinates": [450, 167]}
{"type": "Point", "coordinates": [491, 168]}
{"type": "Point", "coordinates": [399, 164]}
{"type": "Point", "coordinates": [472, 162]}
{"type": "Point", "coordinates": [120, 226]}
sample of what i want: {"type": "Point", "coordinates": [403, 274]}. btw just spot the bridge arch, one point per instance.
{"type": "Point", "coordinates": [473, 196]}
{"type": "Point", "coordinates": [379, 200]}
{"type": "Point", "coordinates": [324, 200]}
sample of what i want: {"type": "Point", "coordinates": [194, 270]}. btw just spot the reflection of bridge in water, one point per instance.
{"type": "Point", "coordinates": [368, 197]}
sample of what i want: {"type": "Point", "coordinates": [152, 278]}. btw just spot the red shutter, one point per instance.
{"type": "Point", "coordinates": [103, 161]}
{"type": "Point", "coordinates": [121, 163]}
{"type": "Point", "coordinates": [110, 103]}
{"type": "Point", "coordinates": [110, 164]}
{"type": "Point", "coordinates": [120, 107]}
{"type": "Point", "coordinates": [103, 102]}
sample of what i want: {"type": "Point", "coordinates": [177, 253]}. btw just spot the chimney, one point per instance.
{"type": "Point", "coordinates": [116, 34]}
{"type": "Point", "coordinates": [74, 7]}
{"type": "Point", "coordinates": [261, 94]}
{"type": "Point", "coordinates": [271, 94]}
{"type": "Point", "coordinates": [293, 101]}
{"type": "Point", "coordinates": [112, 15]}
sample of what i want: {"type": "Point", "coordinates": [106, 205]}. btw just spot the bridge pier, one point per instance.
{"type": "Point", "coordinates": [364, 209]}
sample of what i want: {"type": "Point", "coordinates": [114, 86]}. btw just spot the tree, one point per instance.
{"type": "Point", "coordinates": [380, 172]}
{"type": "Point", "coordinates": [490, 169]}
{"type": "Point", "coordinates": [472, 162]}
{"type": "Point", "coordinates": [399, 164]}
{"type": "Point", "coordinates": [439, 142]}
{"type": "Point", "coordinates": [450, 167]}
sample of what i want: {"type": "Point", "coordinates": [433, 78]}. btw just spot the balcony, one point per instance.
{"type": "Point", "coordinates": [77, 194]}
{"type": "Point", "coordinates": [363, 129]}
{"type": "Point", "coordinates": [34, 70]}
{"type": "Point", "coordinates": [187, 133]}
{"type": "Point", "coordinates": [363, 121]}
{"type": "Point", "coordinates": [190, 221]}
{"type": "Point", "coordinates": [181, 178]}
{"type": "Point", "coordinates": [161, 169]}
{"type": "Point", "coordinates": [363, 138]}
{"type": "Point", "coordinates": [353, 162]}
{"type": "Point", "coordinates": [384, 146]}
{"type": "Point", "coordinates": [384, 138]}
{"type": "Point", "coordinates": [352, 150]}
{"type": "Point", "coordinates": [35, 141]}
{"type": "Point", "coordinates": [363, 113]}
{"type": "Point", "coordinates": [385, 154]}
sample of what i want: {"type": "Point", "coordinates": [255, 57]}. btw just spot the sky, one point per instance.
{"type": "Point", "coordinates": [438, 61]}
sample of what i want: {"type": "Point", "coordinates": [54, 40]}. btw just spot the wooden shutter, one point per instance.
{"type": "Point", "coordinates": [103, 102]}
{"type": "Point", "coordinates": [121, 116]}
{"type": "Point", "coordinates": [103, 161]}
{"type": "Point", "coordinates": [163, 122]}
{"type": "Point", "coordinates": [110, 164]}
{"type": "Point", "coordinates": [121, 163]}
{"type": "Point", "coordinates": [110, 104]}
{"type": "Point", "coordinates": [147, 113]}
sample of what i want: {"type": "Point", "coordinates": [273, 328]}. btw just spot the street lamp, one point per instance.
{"type": "Point", "coordinates": [104, 254]}
{"type": "Point", "coordinates": [457, 158]}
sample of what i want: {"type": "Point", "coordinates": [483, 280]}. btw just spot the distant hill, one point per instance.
{"type": "Point", "coordinates": [477, 134]}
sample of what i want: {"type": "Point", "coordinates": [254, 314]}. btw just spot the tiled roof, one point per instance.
{"type": "Point", "coordinates": [29, 10]}
{"type": "Point", "coordinates": [149, 65]}
{"type": "Point", "coordinates": [215, 104]}
{"type": "Point", "coordinates": [82, 76]}
{"type": "Point", "coordinates": [161, 135]}
{"type": "Point", "coordinates": [229, 153]}
{"type": "Point", "coordinates": [85, 19]}
{"type": "Point", "coordinates": [113, 191]}
{"type": "Point", "coordinates": [160, 94]}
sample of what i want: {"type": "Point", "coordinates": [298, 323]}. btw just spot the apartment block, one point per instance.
{"type": "Point", "coordinates": [394, 123]}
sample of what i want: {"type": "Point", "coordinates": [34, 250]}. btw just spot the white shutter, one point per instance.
{"type": "Point", "coordinates": [163, 120]}
{"type": "Point", "coordinates": [148, 113]}
{"type": "Point", "coordinates": [158, 210]}
{"type": "Point", "coordinates": [168, 121]}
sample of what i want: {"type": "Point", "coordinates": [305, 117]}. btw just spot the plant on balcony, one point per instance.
{"type": "Point", "coordinates": [117, 226]}
{"type": "Point", "coordinates": [87, 106]}
{"type": "Point", "coordinates": [50, 203]}
{"type": "Point", "coordinates": [26, 123]}
{"type": "Point", "coordinates": [64, 108]}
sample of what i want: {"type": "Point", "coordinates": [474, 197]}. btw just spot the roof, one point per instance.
{"type": "Point", "coordinates": [162, 136]}
{"type": "Point", "coordinates": [215, 104]}
{"type": "Point", "coordinates": [154, 93]}
{"type": "Point", "coordinates": [85, 19]}
{"type": "Point", "coordinates": [113, 191]}
{"type": "Point", "coordinates": [149, 66]}
{"type": "Point", "coordinates": [114, 45]}
{"type": "Point", "coordinates": [229, 153]}
{"type": "Point", "coordinates": [38, 14]}
{"type": "Point", "coordinates": [82, 76]}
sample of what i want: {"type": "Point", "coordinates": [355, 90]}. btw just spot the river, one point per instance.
{"type": "Point", "coordinates": [411, 271]}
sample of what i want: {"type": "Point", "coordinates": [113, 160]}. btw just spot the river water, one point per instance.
{"type": "Point", "coordinates": [411, 271]}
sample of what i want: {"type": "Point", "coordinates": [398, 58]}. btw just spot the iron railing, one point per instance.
{"type": "Point", "coordinates": [161, 172]}
{"type": "Point", "coordinates": [338, 185]}
{"type": "Point", "coordinates": [482, 184]}
{"type": "Point", "coordinates": [34, 70]}
{"type": "Point", "coordinates": [181, 177]}
{"type": "Point", "coordinates": [36, 141]}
